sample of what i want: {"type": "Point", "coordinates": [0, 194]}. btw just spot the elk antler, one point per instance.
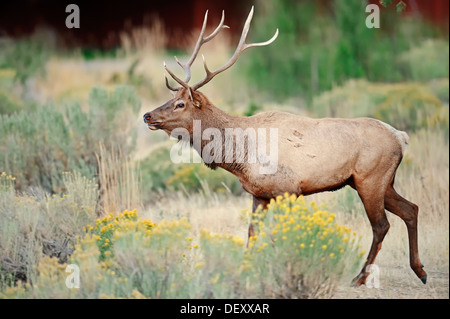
{"type": "Point", "coordinates": [240, 48]}
{"type": "Point", "coordinates": [201, 40]}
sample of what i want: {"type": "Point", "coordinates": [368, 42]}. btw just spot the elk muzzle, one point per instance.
{"type": "Point", "coordinates": [151, 122]}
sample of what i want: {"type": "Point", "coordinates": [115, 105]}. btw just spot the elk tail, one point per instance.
{"type": "Point", "coordinates": [401, 136]}
{"type": "Point", "coordinates": [405, 138]}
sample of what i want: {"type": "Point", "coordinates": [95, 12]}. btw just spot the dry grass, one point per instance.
{"type": "Point", "coordinates": [218, 214]}
{"type": "Point", "coordinates": [144, 40]}
{"type": "Point", "coordinates": [69, 79]}
{"type": "Point", "coordinates": [118, 180]}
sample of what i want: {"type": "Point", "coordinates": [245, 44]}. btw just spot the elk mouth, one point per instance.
{"type": "Point", "coordinates": [156, 125]}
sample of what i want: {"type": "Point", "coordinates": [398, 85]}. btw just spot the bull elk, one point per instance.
{"type": "Point", "coordinates": [316, 155]}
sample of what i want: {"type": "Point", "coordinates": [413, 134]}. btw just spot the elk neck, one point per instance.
{"type": "Point", "coordinates": [213, 117]}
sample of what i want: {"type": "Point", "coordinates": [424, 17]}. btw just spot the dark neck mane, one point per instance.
{"type": "Point", "coordinates": [215, 118]}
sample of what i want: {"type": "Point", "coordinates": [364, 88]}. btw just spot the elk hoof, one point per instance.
{"type": "Point", "coordinates": [424, 279]}
{"type": "Point", "coordinates": [359, 280]}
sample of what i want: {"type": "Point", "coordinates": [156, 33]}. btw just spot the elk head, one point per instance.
{"type": "Point", "coordinates": [188, 103]}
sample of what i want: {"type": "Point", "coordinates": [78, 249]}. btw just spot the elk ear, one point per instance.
{"type": "Point", "coordinates": [197, 103]}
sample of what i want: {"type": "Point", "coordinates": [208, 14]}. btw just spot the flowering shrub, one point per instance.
{"type": "Point", "coordinates": [290, 222]}
{"type": "Point", "coordinates": [6, 182]}
{"type": "Point", "coordinates": [152, 260]}
{"type": "Point", "coordinates": [223, 269]}
{"type": "Point", "coordinates": [199, 177]}
{"type": "Point", "coordinates": [299, 247]}
{"type": "Point", "coordinates": [299, 251]}
{"type": "Point", "coordinates": [105, 228]}
{"type": "Point", "coordinates": [137, 257]}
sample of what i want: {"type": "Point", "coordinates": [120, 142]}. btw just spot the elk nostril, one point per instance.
{"type": "Point", "coordinates": [147, 118]}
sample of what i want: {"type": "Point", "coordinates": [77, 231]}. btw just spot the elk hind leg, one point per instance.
{"type": "Point", "coordinates": [408, 212]}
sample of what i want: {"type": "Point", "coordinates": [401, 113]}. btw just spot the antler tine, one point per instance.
{"type": "Point", "coordinates": [184, 84]}
{"type": "Point", "coordinates": [217, 30]}
{"type": "Point", "coordinates": [240, 48]}
{"type": "Point", "coordinates": [201, 40]}
{"type": "Point", "coordinates": [170, 87]}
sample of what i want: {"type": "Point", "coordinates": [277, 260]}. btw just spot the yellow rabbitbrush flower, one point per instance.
{"type": "Point", "coordinates": [109, 228]}
{"type": "Point", "coordinates": [7, 182]}
{"type": "Point", "coordinates": [314, 232]}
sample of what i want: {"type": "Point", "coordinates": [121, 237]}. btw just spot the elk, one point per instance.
{"type": "Point", "coordinates": [316, 155]}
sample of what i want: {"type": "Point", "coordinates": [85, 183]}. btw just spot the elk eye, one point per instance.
{"type": "Point", "coordinates": [179, 105]}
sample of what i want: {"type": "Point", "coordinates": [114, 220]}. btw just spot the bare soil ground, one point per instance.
{"type": "Point", "coordinates": [400, 283]}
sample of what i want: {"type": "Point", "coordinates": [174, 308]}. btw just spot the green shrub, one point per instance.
{"type": "Point", "coordinates": [32, 226]}
{"type": "Point", "coordinates": [348, 201]}
{"type": "Point", "coordinates": [406, 106]}
{"type": "Point", "coordinates": [26, 56]}
{"type": "Point", "coordinates": [159, 173]}
{"type": "Point", "coordinates": [318, 49]}
{"type": "Point", "coordinates": [198, 177]}
{"type": "Point", "coordinates": [223, 268]}
{"type": "Point", "coordinates": [277, 67]}
{"type": "Point", "coordinates": [252, 109]}
{"type": "Point", "coordinates": [9, 101]}
{"type": "Point", "coordinates": [157, 168]}
{"type": "Point", "coordinates": [412, 107]}
{"type": "Point", "coordinates": [440, 87]}
{"type": "Point", "coordinates": [37, 146]}
{"type": "Point", "coordinates": [427, 60]}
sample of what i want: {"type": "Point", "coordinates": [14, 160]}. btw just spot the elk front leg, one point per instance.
{"type": "Point", "coordinates": [256, 203]}
{"type": "Point", "coordinates": [374, 206]}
